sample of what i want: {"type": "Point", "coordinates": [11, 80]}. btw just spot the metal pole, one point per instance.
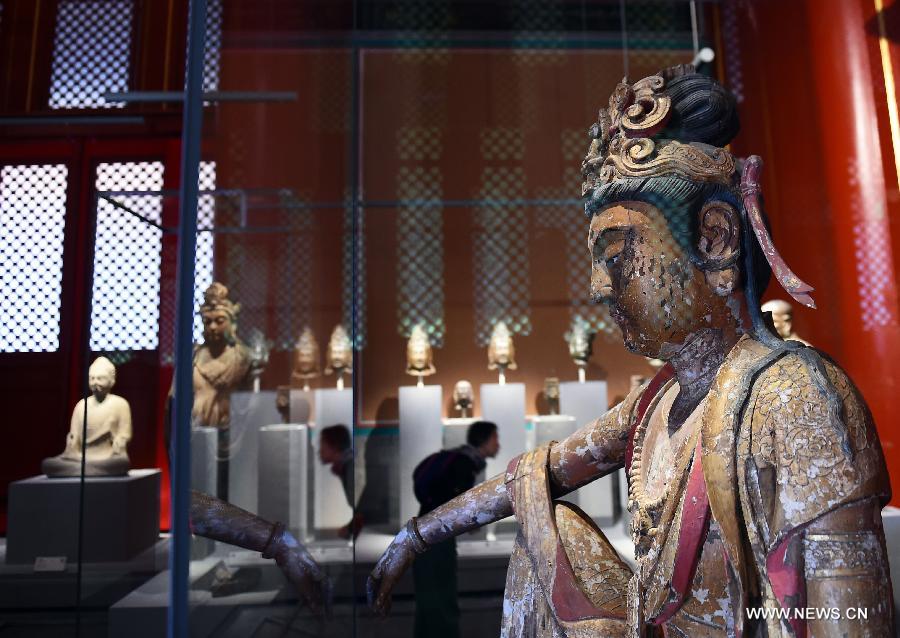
{"type": "Point", "coordinates": [180, 463]}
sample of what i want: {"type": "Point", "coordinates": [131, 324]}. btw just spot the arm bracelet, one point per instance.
{"type": "Point", "coordinates": [277, 530]}
{"type": "Point", "coordinates": [418, 543]}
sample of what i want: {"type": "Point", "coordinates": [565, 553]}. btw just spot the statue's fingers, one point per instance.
{"type": "Point", "coordinates": [313, 598]}
{"type": "Point", "coordinates": [384, 601]}
{"type": "Point", "coordinates": [372, 589]}
{"type": "Point", "coordinates": [321, 585]}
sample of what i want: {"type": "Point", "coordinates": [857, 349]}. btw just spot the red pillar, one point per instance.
{"type": "Point", "coordinates": [853, 178]}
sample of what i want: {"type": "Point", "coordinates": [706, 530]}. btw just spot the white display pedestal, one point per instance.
{"type": "Point", "coordinates": [586, 402]}
{"type": "Point", "coordinates": [249, 412]}
{"type": "Point", "coordinates": [455, 431]}
{"type": "Point", "coordinates": [420, 435]}
{"type": "Point", "coordinates": [283, 474]}
{"type": "Point", "coordinates": [551, 427]}
{"type": "Point", "coordinates": [330, 508]}
{"type": "Point", "coordinates": [204, 470]}
{"type": "Point", "coordinates": [505, 406]}
{"type": "Point", "coordinates": [301, 406]}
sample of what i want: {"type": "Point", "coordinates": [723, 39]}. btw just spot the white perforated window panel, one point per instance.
{"type": "Point", "coordinates": [91, 52]}
{"type": "Point", "coordinates": [127, 247]}
{"type": "Point", "coordinates": [32, 224]}
{"type": "Point", "coordinates": [212, 54]}
{"type": "Point", "coordinates": [203, 263]}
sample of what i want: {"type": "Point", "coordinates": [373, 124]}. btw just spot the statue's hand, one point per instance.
{"type": "Point", "coordinates": [390, 567]}
{"type": "Point", "coordinates": [300, 568]}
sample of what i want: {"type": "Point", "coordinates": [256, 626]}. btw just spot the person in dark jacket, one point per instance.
{"type": "Point", "coordinates": [438, 479]}
{"type": "Point", "coordinates": [336, 450]}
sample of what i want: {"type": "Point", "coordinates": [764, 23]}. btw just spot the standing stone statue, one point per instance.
{"type": "Point", "coordinates": [221, 363]}
{"type": "Point", "coordinates": [108, 430]}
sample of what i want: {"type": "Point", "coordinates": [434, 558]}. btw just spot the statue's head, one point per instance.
{"type": "Point", "coordinates": [339, 354]}
{"type": "Point", "coordinates": [418, 352]}
{"type": "Point", "coordinates": [580, 340]}
{"type": "Point", "coordinates": [101, 377]}
{"type": "Point", "coordinates": [551, 388]}
{"type": "Point", "coordinates": [501, 351]}
{"type": "Point", "coordinates": [675, 242]}
{"type": "Point", "coordinates": [782, 316]}
{"type": "Point", "coordinates": [219, 315]}
{"type": "Point", "coordinates": [463, 395]}
{"type": "Point", "coordinates": [306, 355]}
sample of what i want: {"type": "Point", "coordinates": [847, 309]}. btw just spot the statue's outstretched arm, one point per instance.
{"type": "Point", "coordinates": [594, 450]}
{"type": "Point", "coordinates": [485, 503]}
{"type": "Point", "coordinates": [214, 518]}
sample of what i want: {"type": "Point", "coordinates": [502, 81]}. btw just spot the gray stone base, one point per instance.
{"type": "Point", "coordinates": [121, 517]}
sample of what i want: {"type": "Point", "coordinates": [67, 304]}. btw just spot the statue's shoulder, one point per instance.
{"type": "Point", "coordinates": [118, 401]}
{"type": "Point", "coordinates": [806, 420]}
{"type": "Point", "coordinates": [807, 378]}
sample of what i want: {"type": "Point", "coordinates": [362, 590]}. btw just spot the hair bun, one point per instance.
{"type": "Point", "coordinates": [702, 111]}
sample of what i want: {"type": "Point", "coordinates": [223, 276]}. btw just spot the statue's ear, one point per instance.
{"type": "Point", "coordinates": [718, 249]}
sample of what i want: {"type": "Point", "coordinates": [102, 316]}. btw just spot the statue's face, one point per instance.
{"type": "Point", "coordinates": [654, 293]}
{"type": "Point", "coordinates": [417, 355]}
{"type": "Point", "coordinates": [339, 352]}
{"type": "Point", "coordinates": [579, 345]}
{"type": "Point", "coordinates": [307, 360]}
{"type": "Point", "coordinates": [783, 323]}
{"type": "Point", "coordinates": [463, 393]}
{"type": "Point", "coordinates": [551, 388]}
{"type": "Point", "coordinates": [100, 381]}
{"type": "Point", "coordinates": [501, 351]}
{"type": "Point", "coordinates": [216, 326]}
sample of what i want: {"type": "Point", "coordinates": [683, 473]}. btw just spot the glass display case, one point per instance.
{"type": "Point", "coordinates": [220, 421]}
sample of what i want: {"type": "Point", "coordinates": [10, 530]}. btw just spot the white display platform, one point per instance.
{"type": "Point", "coordinates": [586, 402]}
{"type": "Point", "coordinates": [505, 406]}
{"type": "Point", "coordinates": [330, 509]}
{"type": "Point", "coordinates": [204, 470]}
{"type": "Point", "coordinates": [455, 431]}
{"type": "Point", "coordinates": [550, 427]}
{"type": "Point", "coordinates": [283, 476]}
{"type": "Point", "coordinates": [249, 412]}
{"type": "Point", "coordinates": [301, 406]}
{"type": "Point", "coordinates": [890, 518]}
{"type": "Point", "coordinates": [420, 435]}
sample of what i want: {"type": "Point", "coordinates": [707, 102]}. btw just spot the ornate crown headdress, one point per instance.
{"type": "Point", "coordinates": [625, 143]}
{"type": "Point", "coordinates": [215, 297]}
{"type": "Point", "coordinates": [635, 138]}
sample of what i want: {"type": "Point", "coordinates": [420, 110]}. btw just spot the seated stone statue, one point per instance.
{"type": "Point", "coordinates": [107, 434]}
